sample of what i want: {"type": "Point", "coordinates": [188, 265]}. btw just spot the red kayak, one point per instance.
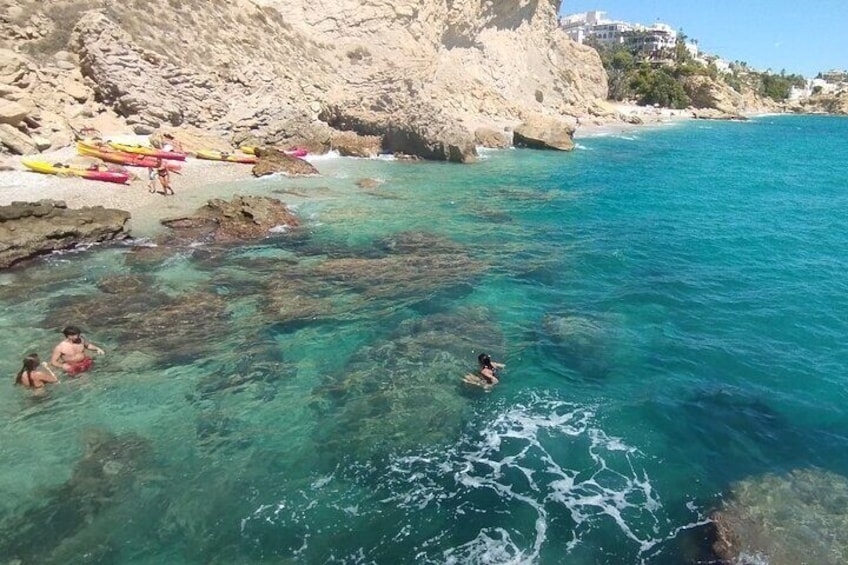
{"type": "Point", "coordinates": [120, 157]}
{"type": "Point", "coordinates": [63, 170]}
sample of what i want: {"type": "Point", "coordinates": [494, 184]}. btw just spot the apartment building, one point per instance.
{"type": "Point", "coordinates": [595, 25]}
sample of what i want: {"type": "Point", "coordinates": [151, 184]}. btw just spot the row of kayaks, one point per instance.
{"type": "Point", "coordinates": [137, 156]}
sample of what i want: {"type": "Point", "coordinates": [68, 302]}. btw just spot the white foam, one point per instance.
{"type": "Point", "coordinates": [540, 457]}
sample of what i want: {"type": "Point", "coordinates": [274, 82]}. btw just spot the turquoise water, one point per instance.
{"type": "Point", "coordinates": [670, 305]}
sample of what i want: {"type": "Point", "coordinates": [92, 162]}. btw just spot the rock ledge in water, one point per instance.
{"type": "Point", "coordinates": [29, 229]}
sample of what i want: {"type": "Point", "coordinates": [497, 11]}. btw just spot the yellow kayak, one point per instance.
{"type": "Point", "coordinates": [149, 151]}
{"type": "Point", "coordinates": [61, 169]}
{"type": "Point", "coordinates": [237, 157]}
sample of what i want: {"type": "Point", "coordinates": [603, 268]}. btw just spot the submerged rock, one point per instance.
{"type": "Point", "coordinates": [585, 344]}
{"type": "Point", "coordinates": [801, 517]}
{"type": "Point", "coordinates": [103, 478]}
{"type": "Point", "coordinates": [401, 275]}
{"type": "Point", "coordinates": [275, 161]}
{"type": "Point", "coordinates": [403, 392]}
{"type": "Point", "coordinates": [146, 319]}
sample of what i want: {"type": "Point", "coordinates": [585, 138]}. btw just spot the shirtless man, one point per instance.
{"type": "Point", "coordinates": [69, 354]}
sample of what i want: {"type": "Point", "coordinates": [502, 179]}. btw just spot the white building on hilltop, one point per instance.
{"type": "Point", "coordinates": [594, 25]}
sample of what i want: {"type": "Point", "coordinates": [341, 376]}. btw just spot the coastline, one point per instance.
{"type": "Point", "coordinates": [198, 178]}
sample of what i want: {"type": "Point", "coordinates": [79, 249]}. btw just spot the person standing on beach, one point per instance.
{"type": "Point", "coordinates": [151, 179]}
{"type": "Point", "coordinates": [69, 354]}
{"type": "Point", "coordinates": [164, 177]}
{"type": "Point", "coordinates": [30, 377]}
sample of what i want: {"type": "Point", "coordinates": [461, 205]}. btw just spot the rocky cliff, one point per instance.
{"type": "Point", "coordinates": [424, 76]}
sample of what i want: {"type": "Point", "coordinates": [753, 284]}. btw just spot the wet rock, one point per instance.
{"type": "Point", "coordinates": [243, 217]}
{"type": "Point", "coordinates": [146, 320]}
{"type": "Point", "coordinates": [544, 132]}
{"type": "Point", "coordinates": [249, 372]}
{"type": "Point", "coordinates": [801, 517]}
{"type": "Point", "coordinates": [410, 264]}
{"type": "Point", "coordinates": [30, 229]}
{"type": "Point", "coordinates": [350, 144]}
{"type": "Point", "coordinates": [406, 275]}
{"type": "Point", "coordinates": [273, 161]}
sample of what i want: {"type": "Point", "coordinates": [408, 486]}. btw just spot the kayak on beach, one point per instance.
{"type": "Point", "coordinates": [148, 151]}
{"type": "Point", "coordinates": [237, 157]}
{"type": "Point", "coordinates": [295, 152]}
{"type": "Point", "coordinates": [62, 169]}
{"type": "Point", "coordinates": [106, 153]}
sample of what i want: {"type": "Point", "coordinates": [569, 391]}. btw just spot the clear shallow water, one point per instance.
{"type": "Point", "coordinates": [670, 306]}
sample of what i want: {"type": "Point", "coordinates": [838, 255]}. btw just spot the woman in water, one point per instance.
{"type": "Point", "coordinates": [489, 369]}
{"type": "Point", "coordinates": [29, 375]}
{"type": "Point", "coordinates": [487, 376]}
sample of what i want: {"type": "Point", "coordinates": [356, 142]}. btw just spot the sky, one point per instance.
{"type": "Point", "coordinates": [802, 37]}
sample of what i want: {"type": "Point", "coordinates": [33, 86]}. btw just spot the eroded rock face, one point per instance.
{"type": "Point", "coordinates": [30, 229]}
{"type": "Point", "coordinates": [796, 518]}
{"type": "Point", "coordinates": [420, 76]}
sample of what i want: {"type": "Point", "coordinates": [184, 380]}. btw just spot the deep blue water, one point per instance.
{"type": "Point", "coordinates": [670, 304]}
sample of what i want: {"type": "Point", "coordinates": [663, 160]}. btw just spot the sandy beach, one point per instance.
{"type": "Point", "coordinates": [146, 209]}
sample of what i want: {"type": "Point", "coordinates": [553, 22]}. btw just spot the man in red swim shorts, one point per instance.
{"type": "Point", "coordinates": [69, 354]}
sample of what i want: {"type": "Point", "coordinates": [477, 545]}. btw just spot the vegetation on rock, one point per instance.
{"type": "Point", "coordinates": [665, 78]}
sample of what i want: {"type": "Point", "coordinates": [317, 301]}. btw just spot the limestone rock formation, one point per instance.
{"type": "Point", "coordinates": [275, 161]}
{"type": "Point", "coordinates": [709, 94]}
{"type": "Point", "coordinates": [541, 132]}
{"type": "Point", "coordinates": [830, 103]}
{"type": "Point", "coordinates": [422, 77]}
{"type": "Point", "coordinates": [243, 217]}
{"type": "Point", "coordinates": [31, 229]}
